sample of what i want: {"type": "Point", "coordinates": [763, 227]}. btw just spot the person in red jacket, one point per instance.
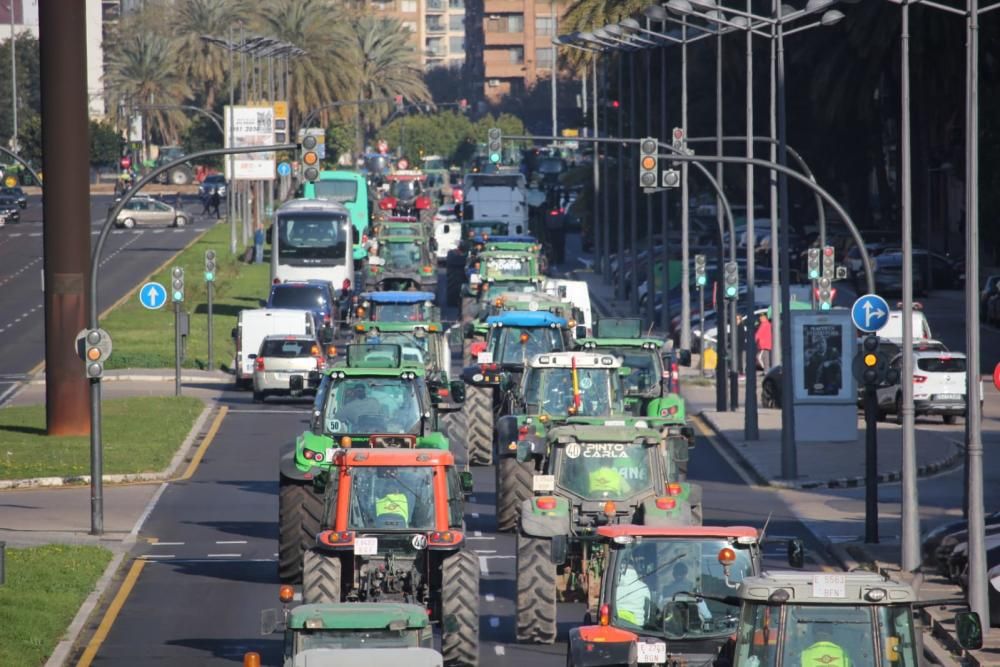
{"type": "Point", "coordinates": [764, 342]}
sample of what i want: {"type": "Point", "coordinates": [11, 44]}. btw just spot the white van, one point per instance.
{"type": "Point", "coordinates": [893, 329]}
{"type": "Point", "coordinates": [253, 325]}
{"type": "Point", "coordinates": [447, 233]}
{"type": "Point", "coordinates": [576, 292]}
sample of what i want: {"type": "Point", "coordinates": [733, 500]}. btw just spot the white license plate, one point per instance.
{"type": "Point", "coordinates": [366, 546]}
{"type": "Point", "coordinates": [949, 397]}
{"type": "Point", "coordinates": [543, 483]}
{"type": "Point", "coordinates": [829, 586]}
{"type": "Point", "coordinates": [650, 652]}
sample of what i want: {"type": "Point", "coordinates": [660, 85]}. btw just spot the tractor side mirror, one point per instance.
{"type": "Point", "coordinates": [468, 330]}
{"type": "Point", "coordinates": [457, 388]}
{"type": "Point", "coordinates": [796, 553]}
{"type": "Point", "coordinates": [316, 423]}
{"type": "Point", "coordinates": [683, 357]}
{"type": "Point", "coordinates": [232, 334]}
{"type": "Point", "coordinates": [581, 331]}
{"type": "Point", "coordinates": [969, 628]}
{"type": "Point", "coordinates": [271, 621]}
{"type": "Point", "coordinates": [465, 481]}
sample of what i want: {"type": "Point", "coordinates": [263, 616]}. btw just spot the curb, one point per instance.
{"type": "Point", "coordinates": [932, 468]}
{"type": "Point", "coordinates": [191, 379]}
{"type": "Point", "coordinates": [168, 473]}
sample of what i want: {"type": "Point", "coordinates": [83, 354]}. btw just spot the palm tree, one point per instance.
{"type": "Point", "coordinates": [323, 75]}
{"type": "Point", "coordinates": [142, 70]}
{"type": "Point", "coordinates": [382, 51]}
{"type": "Point", "coordinates": [205, 65]}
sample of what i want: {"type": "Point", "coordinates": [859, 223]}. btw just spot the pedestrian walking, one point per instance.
{"type": "Point", "coordinates": [764, 342]}
{"type": "Point", "coordinates": [258, 244]}
{"type": "Point", "coordinates": [214, 201]}
{"type": "Point", "coordinates": [206, 203]}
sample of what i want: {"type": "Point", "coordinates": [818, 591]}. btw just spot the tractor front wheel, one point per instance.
{"type": "Point", "coordinates": [478, 409]}
{"type": "Point", "coordinates": [460, 609]}
{"type": "Point", "coordinates": [321, 576]}
{"type": "Point", "coordinates": [513, 486]}
{"type": "Point", "coordinates": [536, 591]}
{"type": "Point", "coordinates": [299, 513]}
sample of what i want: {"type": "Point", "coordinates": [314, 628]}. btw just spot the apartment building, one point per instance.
{"type": "Point", "coordinates": [517, 44]}
{"type": "Point", "coordinates": [437, 26]}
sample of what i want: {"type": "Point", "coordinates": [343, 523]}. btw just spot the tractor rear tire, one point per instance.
{"type": "Point", "coordinates": [513, 487]}
{"type": "Point", "coordinates": [299, 515]}
{"type": "Point", "coordinates": [321, 575]}
{"type": "Point", "coordinates": [454, 427]}
{"type": "Point", "coordinates": [478, 410]}
{"type": "Point", "coordinates": [460, 609]}
{"type": "Point", "coordinates": [536, 591]}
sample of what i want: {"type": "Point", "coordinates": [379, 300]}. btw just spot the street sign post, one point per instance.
{"type": "Point", "coordinates": [870, 313]}
{"type": "Point", "coordinates": [153, 296]}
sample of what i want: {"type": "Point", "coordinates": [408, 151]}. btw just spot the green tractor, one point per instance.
{"type": "Point", "coordinates": [362, 634]}
{"type": "Point", "coordinates": [397, 307]}
{"type": "Point", "coordinates": [514, 338]}
{"type": "Point", "coordinates": [474, 236]}
{"type": "Point", "coordinates": [495, 266]}
{"type": "Point", "coordinates": [374, 400]}
{"type": "Point", "coordinates": [496, 302]}
{"type": "Point", "coordinates": [402, 263]}
{"type": "Point", "coordinates": [554, 388]}
{"type": "Point", "coordinates": [588, 477]}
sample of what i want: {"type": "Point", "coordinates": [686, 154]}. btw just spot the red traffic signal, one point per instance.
{"type": "Point", "coordinates": [615, 104]}
{"type": "Point", "coordinates": [125, 162]}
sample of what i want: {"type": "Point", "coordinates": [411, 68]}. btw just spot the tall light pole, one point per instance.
{"type": "Point", "coordinates": [555, 69]}
{"type": "Point", "coordinates": [13, 80]}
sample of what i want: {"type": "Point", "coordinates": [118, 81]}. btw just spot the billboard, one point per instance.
{"type": "Point", "coordinates": [824, 391]}
{"type": "Point", "coordinates": [250, 126]}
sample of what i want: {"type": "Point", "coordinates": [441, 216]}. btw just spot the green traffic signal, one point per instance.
{"type": "Point", "coordinates": [178, 295]}
{"type": "Point", "coordinates": [700, 280]}
{"type": "Point", "coordinates": [731, 291]}
{"type": "Point", "coordinates": [813, 274]}
{"type": "Point", "coordinates": [824, 306]}
{"type": "Point", "coordinates": [209, 276]}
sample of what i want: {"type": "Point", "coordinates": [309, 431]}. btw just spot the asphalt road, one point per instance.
{"type": "Point", "coordinates": [210, 546]}
{"type": "Point", "coordinates": [129, 256]}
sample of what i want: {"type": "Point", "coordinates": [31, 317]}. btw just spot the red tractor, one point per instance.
{"type": "Point", "coordinates": [393, 530]}
{"type": "Point", "coordinates": [407, 196]}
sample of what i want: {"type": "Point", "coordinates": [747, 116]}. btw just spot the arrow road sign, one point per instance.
{"type": "Point", "coordinates": [153, 296]}
{"type": "Point", "coordinates": [284, 169]}
{"type": "Point", "coordinates": [870, 313]}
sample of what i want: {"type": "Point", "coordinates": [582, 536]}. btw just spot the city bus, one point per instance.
{"type": "Point", "coordinates": [344, 187]}
{"type": "Point", "coordinates": [312, 239]}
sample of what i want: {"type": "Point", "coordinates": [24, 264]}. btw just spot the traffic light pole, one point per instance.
{"type": "Point", "coordinates": [871, 466]}
{"type": "Point", "coordinates": [211, 349]}
{"type": "Point", "coordinates": [96, 461]}
{"type": "Point", "coordinates": [701, 311]}
{"type": "Point", "coordinates": [177, 348]}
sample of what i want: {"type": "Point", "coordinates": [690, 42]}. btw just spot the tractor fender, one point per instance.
{"type": "Point", "coordinates": [433, 440]}
{"type": "Point", "coordinates": [289, 468]}
{"type": "Point", "coordinates": [537, 522]}
{"type": "Point", "coordinates": [661, 407]}
{"type": "Point", "coordinates": [601, 652]}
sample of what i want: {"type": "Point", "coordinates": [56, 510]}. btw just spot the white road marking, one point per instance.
{"type": "Point", "coordinates": [499, 649]}
{"type": "Point", "coordinates": [224, 555]}
{"type": "Point", "coordinates": [167, 544]}
{"type": "Point", "coordinates": [230, 541]}
{"type": "Point", "coordinates": [158, 556]}
{"type": "Point", "coordinates": [35, 234]}
{"type": "Point", "coordinates": [484, 551]}
{"type": "Point", "coordinates": [477, 533]}
{"type": "Point", "coordinates": [490, 597]}
{"type": "Point", "coordinates": [474, 515]}
{"type": "Point", "coordinates": [487, 537]}
{"type": "Point", "coordinates": [15, 235]}
{"type": "Point", "coordinates": [484, 568]}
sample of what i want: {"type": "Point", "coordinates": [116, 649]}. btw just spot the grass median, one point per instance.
{"type": "Point", "coordinates": [145, 338]}
{"type": "Point", "coordinates": [140, 434]}
{"type": "Point", "coordinates": [44, 589]}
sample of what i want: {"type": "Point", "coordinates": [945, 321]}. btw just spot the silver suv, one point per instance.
{"type": "Point", "coordinates": [287, 365]}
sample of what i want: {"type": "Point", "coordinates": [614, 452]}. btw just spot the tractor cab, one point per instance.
{"type": "Point", "coordinates": [397, 307]}
{"type": "Point", "coordinates": [402, 263]}
{"type": "Point", "coordinates": [665, 593]}
{"type": "Point", "coordinates": [406, 195]}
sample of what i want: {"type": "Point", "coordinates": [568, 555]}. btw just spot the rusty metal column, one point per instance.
{"type": "Point", "coordinates": [66, 202]}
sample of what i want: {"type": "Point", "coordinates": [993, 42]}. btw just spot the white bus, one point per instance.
{"type": "Point", "coordinates": [312, 239]}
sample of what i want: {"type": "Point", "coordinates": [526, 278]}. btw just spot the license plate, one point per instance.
{"type": "Point", "coordinates": [366, 546]}
{"type": "Point", "coordinates": [543, 483]}
{"type": "Point", "coordinates": [829, 586]}
{"type": "Point", "coordinates": [651, 652]}
{"type": "Point", "coordinates": [949, 397]}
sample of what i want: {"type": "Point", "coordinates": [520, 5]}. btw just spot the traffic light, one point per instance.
{"type": "Point", "coordinates": [177, 284]}
{"type": "Point", "coordinates": [309, 158]}
{"type": "Point", "coordinates": [870, 370]}
{"type": "Point", "coordinates": [699, 271]}
{"type": "Point", "coordinates": [679, 139]}
{"type": "Point", "coordinates": [825, 293]}
{"type": "Point", "coordinates": [671, 178]}
{"type": "Point", "coordinates": [209, 266]}
{"type": "Point", "coordinates": [731, 280]}
{"type": "Point", "coordinates": [495, 144]}
{"type": "Point", "coordinates": [95, 348]}
{"type": "Point", "coordinates": [648, 163]}
{"type": "Point", "coordinates": [828, 262]}
{"type": "Point", "coordinates": [814, 264]}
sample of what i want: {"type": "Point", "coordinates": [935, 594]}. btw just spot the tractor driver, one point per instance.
{"type": "Point", "coordinates": [632, 596]}
{"type": "Point", "coordinates": [823, 651]}
{"type": "Point", "coordinates": [357, 404]}
{"type": "Point", "coordinates": [392, 505]}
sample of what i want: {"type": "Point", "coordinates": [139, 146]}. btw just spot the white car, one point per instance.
{"type": "Point", "coordinates": [938, 386]}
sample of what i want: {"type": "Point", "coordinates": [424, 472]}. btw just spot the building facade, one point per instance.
{"type": "Point", "coordinates": [437, 27]}
{"type": "Point", "coordinates": [517, 47]}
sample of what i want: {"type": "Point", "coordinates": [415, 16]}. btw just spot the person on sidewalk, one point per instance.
{"type": "Point", "coordinates": [258, 244]}
{"type": "Point", "coordinates": [764, 342]}
{"type": "Point", "coordinates": [215, 200]}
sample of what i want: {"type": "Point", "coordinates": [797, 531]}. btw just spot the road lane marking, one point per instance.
{"type": "Point", "coordinates": [477, 533]}
{"type": "Point", "coordinates": [481, 537]}
{"type": "Point", "coordinates": [490, 597]}
{"type": "Point", "coordinates": [158, 556]}
{"type": "Point", "coordinates": [230, 541]}
{"type": "Point", "coordinates": [474, 515]}
{"type": "Point", "coordinates": [203, 447]}
{"type": "Point", "coordinates": [499, 649]}
{"type": "Point", "coordinates": [485, 551]}
{"type": "Point", "coordinates": [168, 544]}
{"type": "Point", "coordinates": [112, 613]}
{"type": "Point", "coordinates": [484, 568]}
{"type": "Point", "coordinates": [224, 555]}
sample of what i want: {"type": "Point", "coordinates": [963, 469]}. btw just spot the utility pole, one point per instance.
{"type": "Point", "coordinates": [66, 201]}
{"type": "Point", "coordinates": [13, 79]}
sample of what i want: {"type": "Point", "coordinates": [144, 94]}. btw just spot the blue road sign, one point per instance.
{"type": "Point", "coordinates": [284, 169]}
{"type": "Point", "coordinates": [153, 296]}
{"type": "Point", "coordinates": [870, 313]}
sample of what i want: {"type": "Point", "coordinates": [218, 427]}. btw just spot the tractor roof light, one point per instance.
{"type": "Point", "coordinates": [286, 594]}
{"type": "Point", "coordinates": [727, 556]}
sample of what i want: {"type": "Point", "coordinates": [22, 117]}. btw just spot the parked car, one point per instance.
{"type": "Point", "coordinates": [938, 387]}
{"type": "Point", "coordinates": [149, 211]}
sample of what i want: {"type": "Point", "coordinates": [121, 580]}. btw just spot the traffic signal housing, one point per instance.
{"type": "Point", "coordinates": [671, 178]}
{"type": "Point", "coordinates": [177, 284]}
{"type": "Point", "coordinates": [494, 144]}
{"type": "Point", "coordinates": [94, 346]}
{"type": "Point", "coordinates": [870, 372]}
{"type": "Point", "coordinates": [829, 269]}
{"type": "Point", "coordinates": [648, 164]}
{"type": "Point", "coordinates": [309, 158]}
{"type": "Point", "coordinates": [679, 139]}
{"type": "Point", "coordinates": [209, 266]}
{"type": "Point", "coordinates": [814, 265]}
{"type": "Point", "coordinates": [699, 271]}
{"type": "Point", "coordinates": [825, 293]}
{"type": "Point", "coordinates": [731, 280]}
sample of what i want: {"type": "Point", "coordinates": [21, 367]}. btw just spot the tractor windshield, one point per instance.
{"type": "Point", "coordinates": [656, 582]}
{"type": "Point", "coordinates": [645, 369]}
{"type": "Point", "coordinates": [398, 312]}
{"type": "Point", "coordinates": [404, 189]}
{"type": "Point", "coordinates": [551, 390]}
{"type": "Point", "coordinates": [306, 640]}
{"type": "Point", "coordinates": [392, 498]}
{"type": "Point", "coordinates": [402, 255]}
{"type": "Point", "coordinates": [373, 405]}
{"type": "Point", "coordinates": [506, 267]}
{"type": "Point", "coordinates": [512, 345]}
{"type": "Point", "coordinates": [604, 471]}
{"type": "Point", "coordinates": [826, 634]}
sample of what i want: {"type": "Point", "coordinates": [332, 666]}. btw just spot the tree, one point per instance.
{"type": "Point", "coordinates": [206, 66]}
{"type": "Point", "coordinates": [142, 71]}
{"type": "Point", "coordinates": [435, 134]}
{"type": "Point", "coordinates": [105, 144]}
